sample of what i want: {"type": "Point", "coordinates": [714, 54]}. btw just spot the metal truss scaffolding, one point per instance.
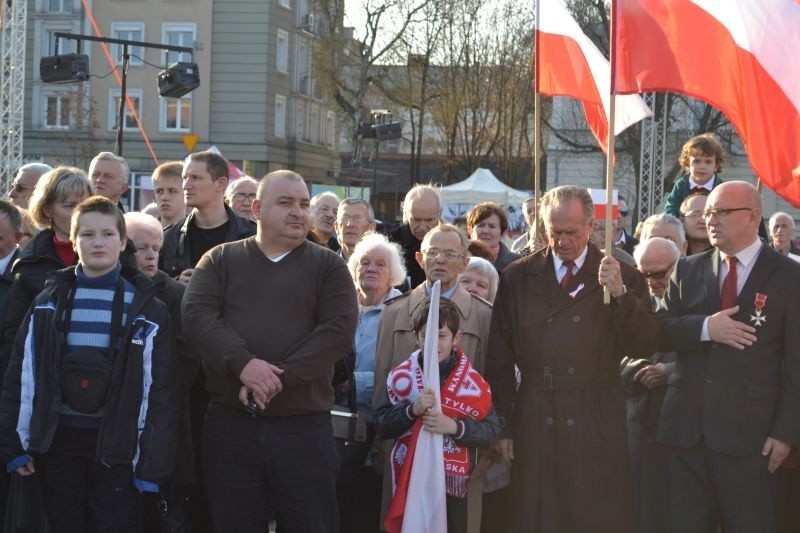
{"type": "Point", "coordinates": [12, 88]}
{"type": "Point", "coordinates": [652, 156]}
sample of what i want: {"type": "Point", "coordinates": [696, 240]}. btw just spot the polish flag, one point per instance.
{"type": "Point", "coordinates": [738, 55]}
{"type": "Point", "coordinates": [569, 64]}
{"type": "Point", "coordinates": [600, 206]}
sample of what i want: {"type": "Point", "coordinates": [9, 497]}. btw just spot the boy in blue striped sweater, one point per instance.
{"type": "Point", "coordinates": [91, 395]}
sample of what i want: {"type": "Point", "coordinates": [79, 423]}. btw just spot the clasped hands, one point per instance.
{"type": "Point", "coordinates": [432, 420]}
{"type": "Point", "coordinates": [261, 380]}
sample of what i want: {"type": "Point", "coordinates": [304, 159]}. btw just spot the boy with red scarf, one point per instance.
{"type": "Point", "coordinates": [467, 418]}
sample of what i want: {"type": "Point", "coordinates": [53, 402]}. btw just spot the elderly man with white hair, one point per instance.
{"type": "Point", "coordinates": [781, 231]}
{"type": "Point", "coordinates": [645, 382]}
{"type": "Point", "coordinates": [665, 226]}
{"type": "Point", "coordinates": [422, 208]}
{"type": "Point", "coordinates": [25, 182]}
{"type": "Point", "coordinates": [240, 195]}
{"type": "Point", "coordinates": [324, 207]}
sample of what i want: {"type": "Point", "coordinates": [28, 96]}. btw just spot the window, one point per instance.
{"type": "Point", "coordinates": [284, 3]}
{"type": "Point", "coordinates": [313, 124]}
{"type": "Point", "coordinates": [303, 66]}
{"type": "Point", "coordinates": [176, 114]}
{"type": "Point", "coordinates": [282, 51]}
{"type": "Point", "coordinates": [330, 129]}
{"type": "Point", "coordinates": [58, 6]}
{"type": "Point", "coordinates": [65, 46]}
{"type": "Point", "coordinates": [280, 116]}
{"type": "Point", "coordinates": [113, 108]}
{"type": "Point", "coordinates": [57, 112]}
{"type": "Point", "coordinates": [300, 121]}
{"type": "Point", "coordinates": [129, 31]}
{"type": "Point", "coordinates": [178, 34]}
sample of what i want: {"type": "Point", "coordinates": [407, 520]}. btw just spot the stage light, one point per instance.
{"type": "Point", "coordinates": [180, 78]}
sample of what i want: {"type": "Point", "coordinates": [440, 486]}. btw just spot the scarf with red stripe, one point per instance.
{"type": "Point", "coordinates": [464, 394]}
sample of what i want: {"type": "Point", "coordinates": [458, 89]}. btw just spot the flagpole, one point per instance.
{"type": "Point", "coordinates": [612, 106]}
{"type": "Point", "coordinates": [537, 128]}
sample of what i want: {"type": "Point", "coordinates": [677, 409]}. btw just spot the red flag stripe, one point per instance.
{"type": "Point", "coordinates": [678, 46]}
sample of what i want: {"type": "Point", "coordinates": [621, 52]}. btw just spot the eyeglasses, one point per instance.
{"type": "Point", "coordinates": [721, 213]}
{"type": "Point", "coordinates": [242, 196]}
{"type": "Point", "coordinates": [693, 214]}
{"type": "Point", "coordinates": [355, 219]}
{"type": "Point", "coordinates": [623, 212]}
{"type": "Point", "coordinates": [433, 253]}
{"type": "Point", "coordinates": [658, 276]}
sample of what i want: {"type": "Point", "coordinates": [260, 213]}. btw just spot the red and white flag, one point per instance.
{"type": "Point", "coordinates": [600, 206]}
{"type": "Point", "coordinates": [419, 501]}
{"type": "Point", "coordinates": [738, 55]}
{"type": "Point", "coordinates": [569, 64]}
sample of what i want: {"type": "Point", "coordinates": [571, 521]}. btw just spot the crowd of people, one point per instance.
{"type": "Point", "coordinates": [241, 354]}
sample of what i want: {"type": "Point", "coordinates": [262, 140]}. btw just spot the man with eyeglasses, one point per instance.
{"type": "Point", "coordinates": [240, 196]}
{"type": "Point", "coordinates": [645, 382]}
{"type": "Point", "coordinates": [422, 209]}
{"type": "Point", "coordinates": [732, 409]}
{"type": "Point", "coordinates": [622, 239]}
{"type": "Point", "coordinates": [691, 210]}
{"type": "Point", "coordinates": [25, 182]}
{"type": "Point", "coordinates": [443, 256]}
{"type": "Point", "coordinates": [353, 219]}
{"type": "Point", "coordinates": [147, 236]}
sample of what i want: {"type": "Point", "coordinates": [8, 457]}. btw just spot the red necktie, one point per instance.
{"type": "Point", "coordinates": [728, 293]}
{"type": "Point", "coordinates": [568, 276]}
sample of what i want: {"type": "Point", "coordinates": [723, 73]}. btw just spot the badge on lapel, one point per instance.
{"type": "Point", "coordinates": [758, 304]}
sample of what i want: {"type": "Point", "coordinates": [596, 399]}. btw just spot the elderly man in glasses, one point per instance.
{"type": "Point", "coordinates": [24, 182]}
{"type": "Point", "coordinates": [443, 256]}
{"type": "Point", "coordinates": [353, 219]}
{"type": "Point", "coordinates": [645, 380]}
{"type": "Point", "coordinates": [240, 196]}
{"type": "Point", "coordinates": [732, 408]}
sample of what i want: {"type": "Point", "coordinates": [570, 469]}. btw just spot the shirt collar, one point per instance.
{"type": "Point", "coordinates": [448, 294]}
{"type": "Point", "coordinates": [709, 185]}
{"type": "Point", "coordinates": [557, 262]}
{"type": "Point", "coordinates": [747, 255]}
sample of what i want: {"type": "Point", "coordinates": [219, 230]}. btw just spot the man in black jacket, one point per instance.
{"type": "Point", "coordinates": [211, 222]}
{"type": "Point", "coordinates": [422, 208]}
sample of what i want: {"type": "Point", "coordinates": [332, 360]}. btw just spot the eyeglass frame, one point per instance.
{"type": "Point", "coordinates": [433, 253]}
{"type": "Point", "coordinates": [244, 196]}
{"type": "Point", "coordinates": [659, 275]}
{"type": "Point", "coordinates": [722, 213]}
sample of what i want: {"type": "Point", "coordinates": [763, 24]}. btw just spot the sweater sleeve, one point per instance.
{"type": "Point", "coordinates": [221, 347]}
{"type": "Point", "coordinates": [333, 334]}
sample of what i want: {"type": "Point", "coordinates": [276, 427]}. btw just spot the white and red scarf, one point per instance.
{"type": "Point", "coordinates": [464, 394]}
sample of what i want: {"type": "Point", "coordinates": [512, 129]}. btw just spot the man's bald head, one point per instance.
{"type": "Point", "coordinates": [733, 216]}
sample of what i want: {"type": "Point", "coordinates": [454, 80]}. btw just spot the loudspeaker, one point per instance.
{"type": "Point", "coordinates": [65, 68]}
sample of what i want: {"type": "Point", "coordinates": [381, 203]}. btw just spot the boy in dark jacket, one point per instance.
{"type": "Point", "coordinates": [467, 418]}
{"type": "Point", "coordinates": [90, 399]}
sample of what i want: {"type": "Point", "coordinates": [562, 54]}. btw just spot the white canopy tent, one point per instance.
{"type": "Point", "coordinates": [482, 186]}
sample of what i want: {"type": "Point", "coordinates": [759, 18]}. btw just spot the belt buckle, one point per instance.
{"type": "Point", "coordinates": [548, 382]}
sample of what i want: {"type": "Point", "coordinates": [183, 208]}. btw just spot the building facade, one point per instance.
{"type": "Point", "coordinates": [258, 102]}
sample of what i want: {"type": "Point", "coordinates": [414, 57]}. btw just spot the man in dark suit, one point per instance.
{"type": "Point", "coordinates": [732, 409]}
{"type": "Point", "coordinates": [622, 239]}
